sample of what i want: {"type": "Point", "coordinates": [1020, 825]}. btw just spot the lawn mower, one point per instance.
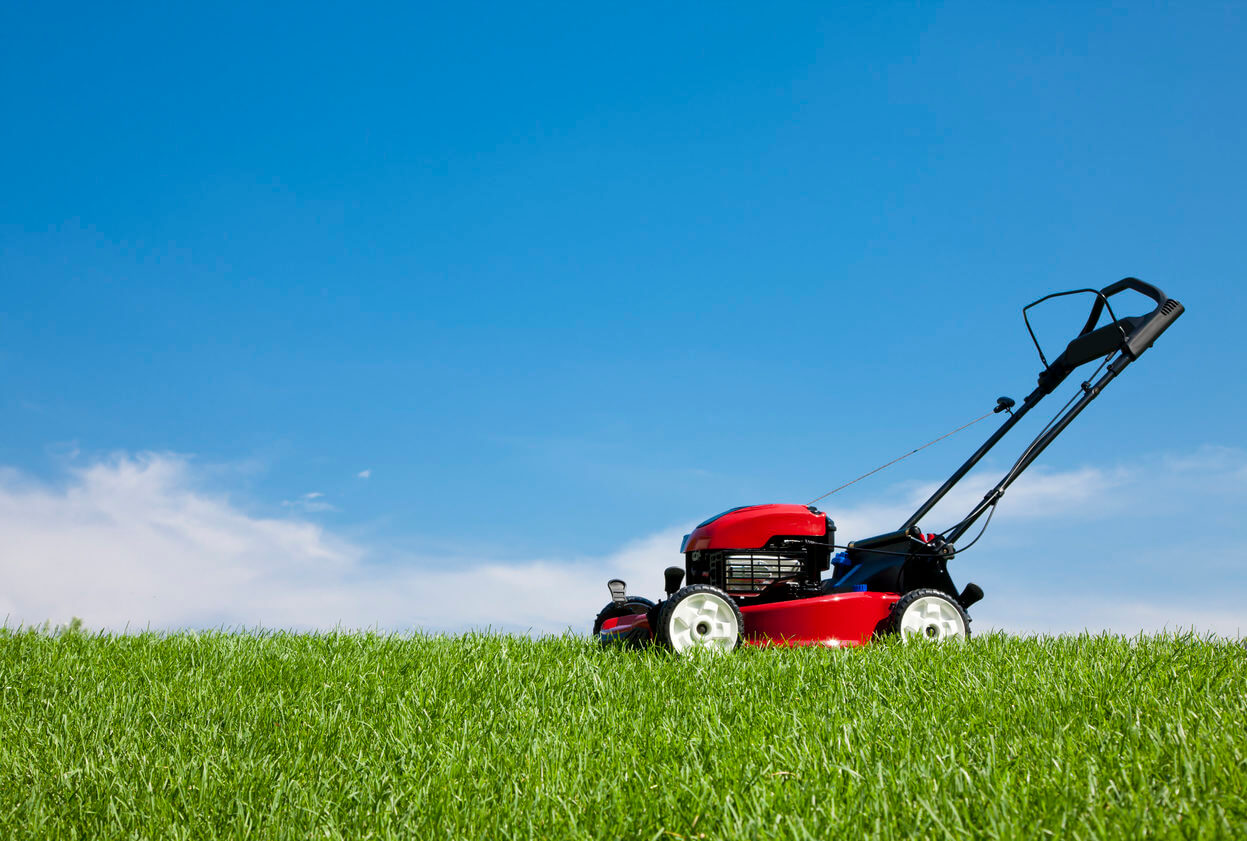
{"type": "Point", "coordinates": [754, 574]}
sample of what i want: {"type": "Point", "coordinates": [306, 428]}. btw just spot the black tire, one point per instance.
{"type": "Point", "coordinates": [632, 605]}
{"type": "Point", "coordinates": [703, 617]}
{"type": "Point", "coordinates": [941, 618]}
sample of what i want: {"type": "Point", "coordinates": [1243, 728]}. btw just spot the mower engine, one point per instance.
{"type": "Point", "coordinates": [758, 549]}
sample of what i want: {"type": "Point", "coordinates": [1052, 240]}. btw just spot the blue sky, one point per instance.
{"type": "Point", "coordinates": [563, 279]}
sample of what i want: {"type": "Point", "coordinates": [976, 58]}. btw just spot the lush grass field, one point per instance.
{"type": "Point", "coordinates": [492, 737]}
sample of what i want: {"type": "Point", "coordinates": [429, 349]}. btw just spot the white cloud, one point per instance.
{"type": "Point", "coordinates": [136, 541]}
{"type": "Point", "coordinates": [364, 474]}
{"type": "Point", "coordinates": [309, 502]}
{"type": "Point", "coordinates": [132, 541]}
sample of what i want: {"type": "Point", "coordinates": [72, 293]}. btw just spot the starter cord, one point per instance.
{"type": "Point", "coordinates": [1013, 471]}
{"type": "Point", "coordinates": [901, 458]}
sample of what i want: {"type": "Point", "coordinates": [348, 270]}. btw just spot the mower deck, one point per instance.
{"type": "Point", "coordinates": [840, 620]}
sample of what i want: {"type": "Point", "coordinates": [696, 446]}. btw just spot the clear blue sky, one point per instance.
{"type": "Point", "coordinates": [562, 276]}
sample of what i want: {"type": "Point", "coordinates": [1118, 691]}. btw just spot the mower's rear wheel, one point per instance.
{"type": "Point", "coordinates": [631, 606]}
{"type": "Point", "coordinates": [700, 617]}
{"type": "Point", "coordinates": [930, 615]}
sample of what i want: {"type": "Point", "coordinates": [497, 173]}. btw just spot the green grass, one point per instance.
{"type": "Point", "coordinates": [495, 737]}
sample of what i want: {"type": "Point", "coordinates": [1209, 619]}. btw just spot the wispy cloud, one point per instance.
{"type": "Point", "coordinates": [364, 474]}
{"type": "Point", "coordinates": [311, 503]}
{"type": "Point", "coordinates": [137, 541]}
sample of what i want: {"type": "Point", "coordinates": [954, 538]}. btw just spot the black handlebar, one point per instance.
{"type": "Point", "coordinates": [1102, 296]}
{"type": "Point", "coordinates": [1122, 339]}
{"type": "Point", "coordinates": [1129, 336]}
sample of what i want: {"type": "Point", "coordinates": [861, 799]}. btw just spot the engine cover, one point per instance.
{"type": "Point", "coordinates": [745, 550]}
{"type": "Point", "coordinates": [753, 526]}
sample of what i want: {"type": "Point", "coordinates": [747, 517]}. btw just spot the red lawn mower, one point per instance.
{"type": "Point", "coordinates": [755, 573]}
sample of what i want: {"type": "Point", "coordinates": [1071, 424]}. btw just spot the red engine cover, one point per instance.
{"type": "Point", "coordinates": [752, 526]}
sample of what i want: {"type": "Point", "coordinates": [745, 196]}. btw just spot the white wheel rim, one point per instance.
{"type": "Point", "coordinates": [703, 621]}
{"type": "Point", "coordinates": [932, 618]}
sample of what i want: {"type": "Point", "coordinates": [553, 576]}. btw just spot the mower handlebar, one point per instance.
{"type": "Point", "coordinates": [1138, 332]}
{"type": "Point", "coordinates": [1129, 335]}
{"type": "Point", "coordinates": [1112, 289]}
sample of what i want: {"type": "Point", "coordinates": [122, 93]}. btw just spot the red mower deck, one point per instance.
{"type": "Point", "coordinates": [840, 620]}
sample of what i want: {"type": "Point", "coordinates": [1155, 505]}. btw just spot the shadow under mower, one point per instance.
{"type": "Point", "coordinates": [754, 573]}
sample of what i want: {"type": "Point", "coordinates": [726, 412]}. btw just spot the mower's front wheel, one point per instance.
{"type": "Point", "coordinates": [930, 615]}
{"type": "Point", "coordinates": [700, 617]}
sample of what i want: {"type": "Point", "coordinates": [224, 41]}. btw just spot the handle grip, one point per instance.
{"type": "Point", "coordinates": [1132, 283]}
{"type": "Point", "coordinates": [1141, 337]}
